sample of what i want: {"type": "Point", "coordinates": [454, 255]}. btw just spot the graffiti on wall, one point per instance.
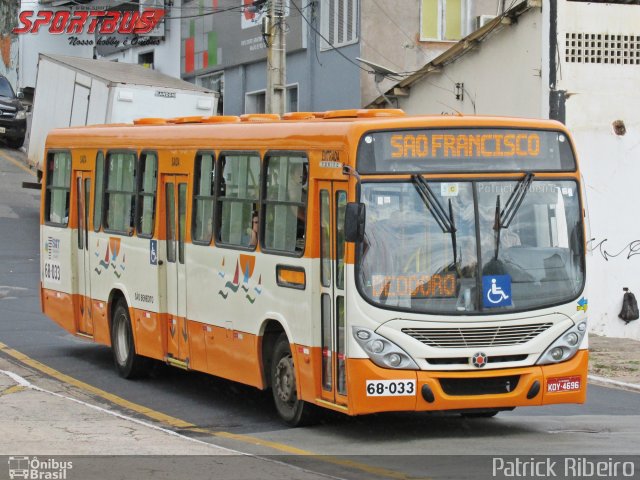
{"type": "Point", "coordinates": [8, 20]}
{"type": "Point", "coordinates": [631, 249]}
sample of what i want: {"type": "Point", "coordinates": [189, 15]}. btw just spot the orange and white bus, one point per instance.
{"type": "Point", "coordinates": [362, 261]}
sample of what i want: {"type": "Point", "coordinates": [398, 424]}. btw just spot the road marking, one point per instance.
{"type": "Point", "coordinates": [178, 423]}
{"type": "Point", "coordinates": [12, 389]}
{"type": "Point", "coordinates": [24, 384]}
{"type": "Point", "coordinates": [16, 163]}
{"type": "Point", "coordinates": [161, 417]}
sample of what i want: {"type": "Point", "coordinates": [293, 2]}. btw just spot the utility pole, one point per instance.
{"type": "Point", "coordinates": [276, 58]}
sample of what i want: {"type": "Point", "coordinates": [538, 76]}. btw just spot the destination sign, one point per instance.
{"type": "Point", "coordinates": [409, 145]}
{"type": "Point", "coordinates": [465, 150]}
{"type": "Point", "coordinates": [419, 285]}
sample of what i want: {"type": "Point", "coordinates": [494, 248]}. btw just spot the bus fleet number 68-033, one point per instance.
{"type": "Point", "coordinates": [390, 388]}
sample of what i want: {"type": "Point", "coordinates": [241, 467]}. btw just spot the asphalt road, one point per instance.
{"type": "Point", "coordinates": [390, 445]}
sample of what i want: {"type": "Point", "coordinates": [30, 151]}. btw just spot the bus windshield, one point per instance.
{"type": "Point", "coordinates": [408, 261]}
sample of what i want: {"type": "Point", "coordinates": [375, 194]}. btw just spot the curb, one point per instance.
{"type": "Point", "coordinates": [607, 381]}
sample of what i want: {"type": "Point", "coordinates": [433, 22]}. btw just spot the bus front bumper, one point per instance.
{"type": "Point", "coordinates": [370, 387]}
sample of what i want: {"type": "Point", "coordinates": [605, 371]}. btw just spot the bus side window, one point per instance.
{"type": "Point", "coordinates": [99, 192]}
{"type": "Point", "coordinates": [147, 181]}
{"type": "Point", "coordinates": [238, 196]}
{"type": "Point", "coordinates": [58, 188]}
{"type": "Point", "coordinates": [285, 202]}
{"type": "Point", "coordinates": [202, 227]}
{"type": "Point", "coordinates": [120, 193]}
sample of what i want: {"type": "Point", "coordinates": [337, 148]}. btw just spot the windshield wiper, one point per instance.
{"type": "Point", "coordinates": [503, 218]}
{"type": "Point", "coordinates": [445, 221]}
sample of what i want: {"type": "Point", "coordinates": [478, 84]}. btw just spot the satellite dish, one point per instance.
{"type": "Point", "coordinates": [380, 71]}
{"type": "Point", "coordinates": [376, 67]}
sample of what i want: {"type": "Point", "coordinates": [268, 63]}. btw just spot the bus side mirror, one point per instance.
{"type": "Point", "coordinates": [354, 218]}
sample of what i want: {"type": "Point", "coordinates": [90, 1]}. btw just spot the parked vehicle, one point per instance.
{"type": "Point", "coordinates": [73, 91]}
{"type": "Point", "coordinates": [13, 116]}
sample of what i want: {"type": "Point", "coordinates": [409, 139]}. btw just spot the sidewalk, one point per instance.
{"type": "Point", "coordinates": [616, 359]}
{"type": "Point", "coordinates": [41, 416]}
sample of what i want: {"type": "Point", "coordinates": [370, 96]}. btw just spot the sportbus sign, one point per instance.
{"type": "Point", "coordinates": [115, 27]}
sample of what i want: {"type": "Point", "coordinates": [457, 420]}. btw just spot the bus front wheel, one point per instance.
{"type": "Point", "coordinates": [293, 411]}
{"type": "Point", "coordinates": [128, 363]}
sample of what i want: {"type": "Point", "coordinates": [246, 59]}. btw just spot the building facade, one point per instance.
{"type": "Point", "coordinates": [579, 63]}
{"type": "Point", "coordinates": [333, 47]}
{"type": "Point", "coordinates": [9, 42]}
{"type": "Point", "coordinates": [159, 49]}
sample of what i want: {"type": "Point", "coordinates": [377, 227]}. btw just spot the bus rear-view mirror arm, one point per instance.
{"type": "Point", "coordinates": [354, 221]}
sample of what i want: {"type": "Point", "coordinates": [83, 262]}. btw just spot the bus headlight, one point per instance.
{"type": "Point", "coordinates": [382, 351]}
{"type": "Point", "coordinates": [565, 346]}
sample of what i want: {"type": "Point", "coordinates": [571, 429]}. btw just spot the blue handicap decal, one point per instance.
{"type": "Point", "coordinates": [496, 291]}
{"type": "Point", "coordinates": [153, 252]}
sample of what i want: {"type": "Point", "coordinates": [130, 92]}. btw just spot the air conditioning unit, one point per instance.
{"type": "Point", "coordinates": [482, 20]}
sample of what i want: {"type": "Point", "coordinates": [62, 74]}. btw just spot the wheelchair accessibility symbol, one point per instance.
{"type": "Point", "coordinates": [496, 291]}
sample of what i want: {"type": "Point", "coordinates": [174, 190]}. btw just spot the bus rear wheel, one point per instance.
{"type": "Point", "coordinates": [127, 362]}
{"type": "Point", "coordinates": [292, 410]}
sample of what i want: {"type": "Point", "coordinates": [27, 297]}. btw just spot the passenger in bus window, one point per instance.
{"type": "Point", "coordinates": [297, 187]}
{"type": "Point", "coordinates": [253, 232]}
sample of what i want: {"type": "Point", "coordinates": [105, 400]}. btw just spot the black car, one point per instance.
{"type": "Point", "coordinates": [13, 116]}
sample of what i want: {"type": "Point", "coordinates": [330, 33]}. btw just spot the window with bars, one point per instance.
{"type": "Point", "coordinates": [609, 49]}
{"type": "Point", "coordinates": [339, 22]}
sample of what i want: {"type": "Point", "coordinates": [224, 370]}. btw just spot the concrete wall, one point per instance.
{"type": "Point", "coordinates": [325, 80]}
{"type": "Point", "coordinates": [390, 36]}
{"type": "Point", "coordinates": [598, 95]}
{"type": "Point", "coordinates": [501, 77]}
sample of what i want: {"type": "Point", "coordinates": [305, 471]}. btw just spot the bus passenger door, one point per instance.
{"type": "Point", "coordinates": [83, 256]}
{"type": "Point", "coordinates": [333, 202]}
{"type": "Point", "coordinates": [175, 194]}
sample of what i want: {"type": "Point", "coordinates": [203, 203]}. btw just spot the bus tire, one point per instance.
{"type": "Point", "coordinates": [127, 362]}
{"type": "Point", "coordinates": [293, 411]}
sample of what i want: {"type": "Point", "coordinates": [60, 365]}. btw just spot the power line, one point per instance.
{"type": "Point", "coordinates": [327, 41]}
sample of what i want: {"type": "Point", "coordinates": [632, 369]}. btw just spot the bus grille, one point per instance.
{"type": "Point", "coordinates": [7, 112]}
{"type": "Point", "coordinates": [501, 336]}
{"type": "Point", "coordinates": [479, 386]}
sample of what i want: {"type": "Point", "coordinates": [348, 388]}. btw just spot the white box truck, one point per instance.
{"type": "Point", "coordinates": [73, 91]}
